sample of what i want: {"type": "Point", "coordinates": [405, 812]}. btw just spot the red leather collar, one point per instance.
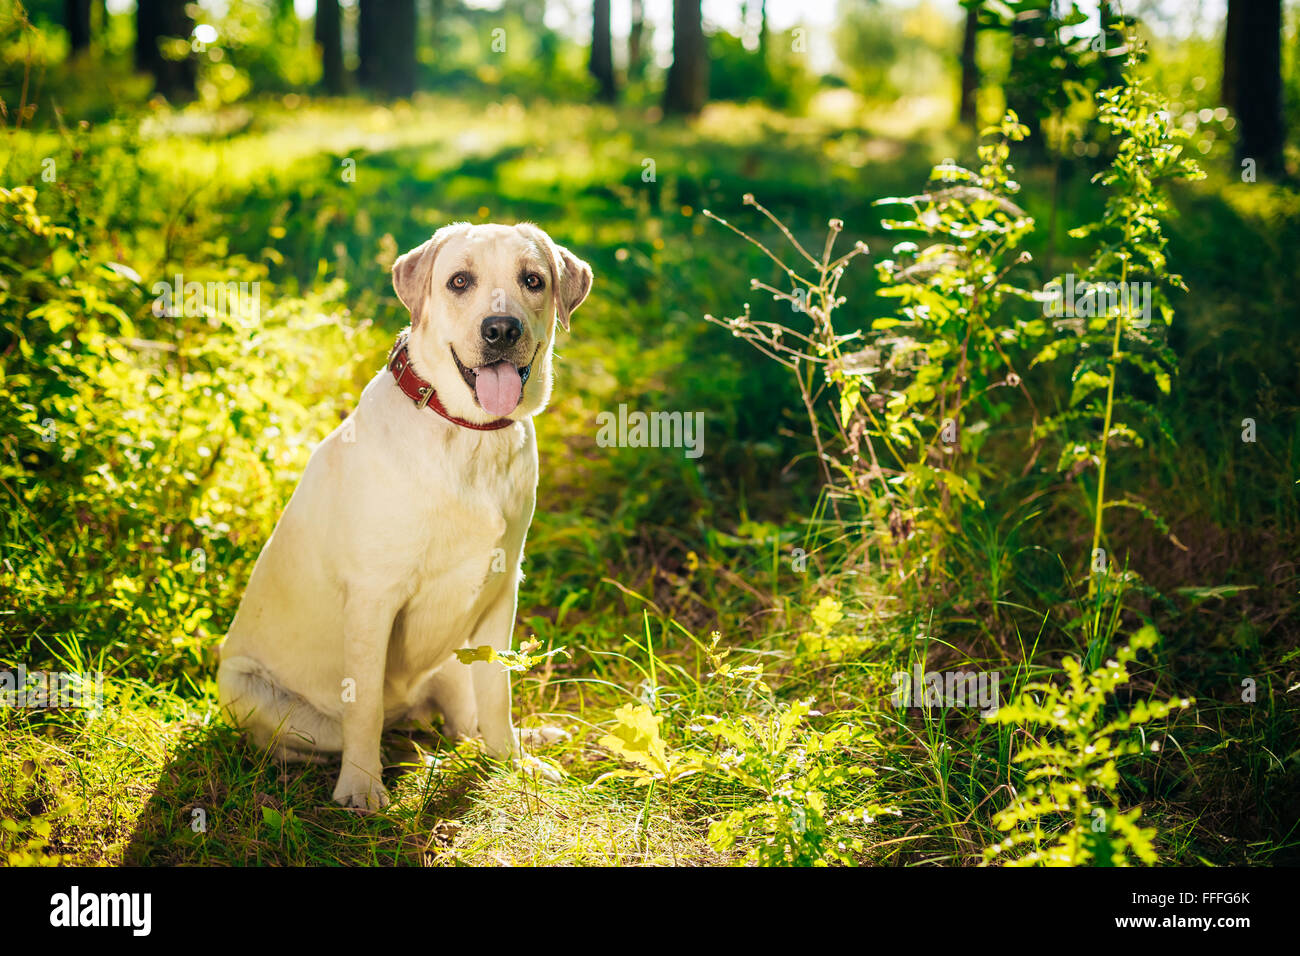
{"type": "Point", "coordinates": [422, 393]}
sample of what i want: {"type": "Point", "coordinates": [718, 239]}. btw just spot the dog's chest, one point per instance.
{"type": "Point", "coordinates": [471, 529]}
{"type": "Point", "coordinates": [461, 544]}
{"type": "Point", "coordinates": [478, 498]}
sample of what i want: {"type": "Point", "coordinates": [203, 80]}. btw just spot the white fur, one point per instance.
{"type": "Point", "coordinates": [382, 565]}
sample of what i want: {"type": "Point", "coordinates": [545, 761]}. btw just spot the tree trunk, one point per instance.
{"type": "Point", "coordinates": [76, 17]}
{"type": "Point", "coordinates": [369, 25]}
{"type": "Point", "coordinates": [387, 33]}
{"type": "Point", "coordinates": [1231, 31]}
{"type": "Point", "coordinates": [401, 30]}
{"type": "Point", "coordinates": [636, 41]}
{"type": "Point", "coordinates": [156, 20]}
{"type": "Point", "coordinates": [602, 51]}
{"type": "Point", "coordinates": [970, 71]}
{"type": "Point", "coordinates": [1024, 94]}
{"type": "Point", "coordinates": [688, 77]}
{"type": "Point", "coordinates": [329, 35]}
{"type": "Point", "coordinates": [1258, 83]}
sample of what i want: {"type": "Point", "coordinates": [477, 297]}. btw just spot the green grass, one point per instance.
{"type": "Point", "coordinates": [634, 556]}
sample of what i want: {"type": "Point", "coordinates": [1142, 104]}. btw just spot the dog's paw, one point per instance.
{"type": "Point", "coordinates": [357, 788]}
{"type": "Point", "coordinates": [537, 768]}
{"type": "Point", "coordinates": [539, 738]}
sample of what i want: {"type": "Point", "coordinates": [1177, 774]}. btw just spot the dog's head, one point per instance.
{"type": "Point", "coordinates": [484, 302]}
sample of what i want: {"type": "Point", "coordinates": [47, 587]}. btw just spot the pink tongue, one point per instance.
{"type": "Point", "coordinates": [498, 387]}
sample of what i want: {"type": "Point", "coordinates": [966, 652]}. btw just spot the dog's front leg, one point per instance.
{"type": "Point", "coordinates": [492, 696]}
{"type": "Point", "coordinates": [367, 623]}
{"type": "Point", "coordinates": [492, 681]}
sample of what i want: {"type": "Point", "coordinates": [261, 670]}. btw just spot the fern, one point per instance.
{"type": "Point", "coordinates": [1073, 769]}
{"type": "Point", "coordinates": [1107, 333]}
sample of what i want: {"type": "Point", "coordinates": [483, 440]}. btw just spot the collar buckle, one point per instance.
{"type": "Point", "coordinates": [424, 395]}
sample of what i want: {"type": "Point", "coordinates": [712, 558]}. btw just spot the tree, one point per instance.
{"type": "Point", "coordinates": [1231, 29]}
{"type": "Point", "coordinates": [157, 21]}
{"type": "Point", "coordinates": [76, 17]}
{"type": "Point", "coordinates": [329, 36]}
{"type": "Point", "coordinates": [368, 28]}
{"type": "Point", "coordinates": [970, 71]}
{"type": "Point", "coordinates": [602, 51]}
{"type": "Point", "coordinates": [387, 31]}
{"type": "Point", "coordinates": [636, 41]}
{"type": "Point", "coordinates": [1030, 73]}
{"type": "Point", "coordinates": [1252, 80]}
{"type": "Point", "coordinates": [400, 33]}
{"type": "Point", "coordinates": [688, 77]}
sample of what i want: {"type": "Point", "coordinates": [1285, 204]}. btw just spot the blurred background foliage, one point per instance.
{"type": "Point", "coordinates": [145, 457]}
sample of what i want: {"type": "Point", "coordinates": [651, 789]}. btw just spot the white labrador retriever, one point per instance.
{"type": "Point", "coordinates": [403, 540]}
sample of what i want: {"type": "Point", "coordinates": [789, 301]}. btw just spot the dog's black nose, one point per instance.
{"type": "Point", "coordinates": [501, 330]}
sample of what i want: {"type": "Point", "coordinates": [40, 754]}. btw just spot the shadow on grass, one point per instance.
{"type": "Point", "coordinates": [220, 802]}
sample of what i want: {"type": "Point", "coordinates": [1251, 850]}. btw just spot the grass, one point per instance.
{"type": "Point", "coordinates": [635, 556]}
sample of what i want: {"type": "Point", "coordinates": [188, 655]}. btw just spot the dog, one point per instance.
{"type": "Point", "coordinates": [403, 541]}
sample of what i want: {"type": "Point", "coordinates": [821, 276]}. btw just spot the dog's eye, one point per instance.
{"type": "Point", "coordinates": [459, 282]}
{"type": "Point", "coordinates": [533, 281]}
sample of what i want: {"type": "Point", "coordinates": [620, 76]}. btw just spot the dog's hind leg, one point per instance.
{"type": "Point", "coordinates": [276, 719]}
{"type": "Point", "coordinates": [450, 691]}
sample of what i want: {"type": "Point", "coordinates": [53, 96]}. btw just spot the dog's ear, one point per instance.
{"type": "Point", "coordinates": [570, 276]}
{"type": "Point", "coordinates": [413, 272]}
{"type": "Point", "coordinates": [573, 285]}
